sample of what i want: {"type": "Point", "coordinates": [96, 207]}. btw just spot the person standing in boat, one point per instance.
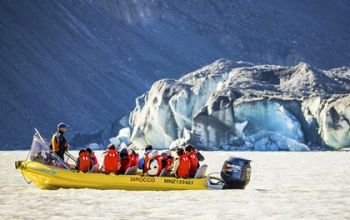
{"type": "Point", "coordinates": [59, 144]}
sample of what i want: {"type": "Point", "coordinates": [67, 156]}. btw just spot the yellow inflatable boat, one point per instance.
{"type": "Point", "coordinates": [42, 168]}
{"type": "Point", "coordinates": [49, 177]}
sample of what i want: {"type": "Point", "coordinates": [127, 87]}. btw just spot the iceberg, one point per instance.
{"type": "Point", "coordinates": [240, 106]}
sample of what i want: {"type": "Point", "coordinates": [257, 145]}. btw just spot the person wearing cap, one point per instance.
{"type": "Point", "coordinates": [59, 144]}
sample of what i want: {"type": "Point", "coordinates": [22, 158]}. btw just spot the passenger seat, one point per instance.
{"type": "Point", "coordinates": [201, 171]}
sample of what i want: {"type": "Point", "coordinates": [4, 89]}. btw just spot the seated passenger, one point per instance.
{"type": "Point", "coordinates": [170, 161]}
{"type": "Point", "coordinates": [93, 158]}
{"type": "Point", "coordinates": [146, 163]}
{"type": "Point", "coordinates": [111, 160]}
{"type": "Point", "coordinates": [49, 159]}
{"type": "Point", "coordinates": [155, 164]}
{"type": "Point", "coordinates": [133, 158]}
{"type": "Point", "coordinates": [38, 157]}
{"type": "Point", "coordinates": [167, 163]}
{"type": "Point", "coordinates": [181, 165]}
{"type": "Point", "coordinates": [124, 161]}
{"type": "Point", "coordinates": [192, 155]}
{"type": "Point", "coordinates": [83, 163]}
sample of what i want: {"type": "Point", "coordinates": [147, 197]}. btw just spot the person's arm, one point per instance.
{"type": "Point", "coordinates": [95, 159]}
{"type": "Point", "coordinates": [91, 165]}
{"type": "Point", "coordinates": [176, 166]}
{"type": "Point", "coordinates": [200, 156]}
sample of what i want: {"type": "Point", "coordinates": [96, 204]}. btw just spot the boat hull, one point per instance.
{"type": "Point", "coordinates": [48, 177]}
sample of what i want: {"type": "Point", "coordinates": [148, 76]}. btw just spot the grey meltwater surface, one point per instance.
{"type": "Point", "coordinates": [283, 185]}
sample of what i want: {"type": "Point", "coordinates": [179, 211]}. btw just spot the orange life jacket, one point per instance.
{"type": "Point", "coordinates": [194, 162]}
{"type": "Point", "coordinates": [84, 162]}
{"type": "Point", "coordinates": [111, 161]}
{"type": "Point", "coordinates": [169, 163]}
{"type": "Point", "coordinates": [133, 160]}
{"type": "Point", "coordinates": [183, 170]}
{"type": "Point", "coordinates": [159, 161]}
{"type": "Point", "coordinates": [54, 144]}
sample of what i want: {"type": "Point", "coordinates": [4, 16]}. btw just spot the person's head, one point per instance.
{"type": "Point", "coordinates": [180, 151]}
{"type": "Point", "coordinates": [169, 153]}
{"type": "Point", "coordinates": [88, 149]}
{"type": "Point", "coordinates": [111, 147]}
{"type": "Point", "coordinates": [62, 127]}
{"type": "Point", "coordinates": [81, 151]}
{"type": "Point", "coordinates": [153, 154]}
{"type": "Point", "coordinates": [164, 155]}
{"type": "Point", "coordinates": [148, 147]}
{"type": "Point", "coordinates": [124, 153]}
{"type": "Point", "coordinates": [188, 148]}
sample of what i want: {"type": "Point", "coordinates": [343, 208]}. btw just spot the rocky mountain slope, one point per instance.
{"type": "Point", "coordinates": [240, 106]}
{"type": "Point", "coordinates": [84, 62]}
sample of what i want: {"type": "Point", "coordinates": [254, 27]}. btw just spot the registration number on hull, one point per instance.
{"type": "Point", "coordinates": [178, 181]}
{"type": "Point", "coordinates": [149, 179]}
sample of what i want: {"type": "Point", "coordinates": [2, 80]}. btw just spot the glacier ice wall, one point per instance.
{"type": "Point", "coordinates": [240, 106]}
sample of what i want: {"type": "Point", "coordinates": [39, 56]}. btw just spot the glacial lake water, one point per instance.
{"type": "Point", "coordinates": [284, 185]}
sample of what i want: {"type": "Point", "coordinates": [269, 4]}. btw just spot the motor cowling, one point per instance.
{"type": "Point", "coordinates": [235, 173]}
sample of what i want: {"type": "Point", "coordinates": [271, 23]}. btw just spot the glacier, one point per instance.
{"type": "Point", "coordinates": [231, 105]}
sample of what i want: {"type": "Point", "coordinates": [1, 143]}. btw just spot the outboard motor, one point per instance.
{"type": "Point", "coordinates": [235, 173]}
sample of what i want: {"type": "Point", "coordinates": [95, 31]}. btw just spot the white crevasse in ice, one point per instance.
{"type": "Point", "coordinates": [238, 106]}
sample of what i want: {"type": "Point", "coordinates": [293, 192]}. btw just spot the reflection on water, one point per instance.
{"type": "Point", "coordinates": [283, 185]}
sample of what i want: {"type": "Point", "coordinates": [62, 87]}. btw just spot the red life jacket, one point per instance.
{"type": "Point", "coordinates": [159, 161]}
{"type": "Point", "coordinates": [111, 161]}
{"type": "Point", "coordinates": [183, 170]}
{"type": "Point", "coordinates": [133, 160]}
{"type": "Point", "coordinates": [194, 162]}
{"type": "Point", "coordinates": [84, 162]}
{"type": "Point", "coordinates": [169, 163]}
